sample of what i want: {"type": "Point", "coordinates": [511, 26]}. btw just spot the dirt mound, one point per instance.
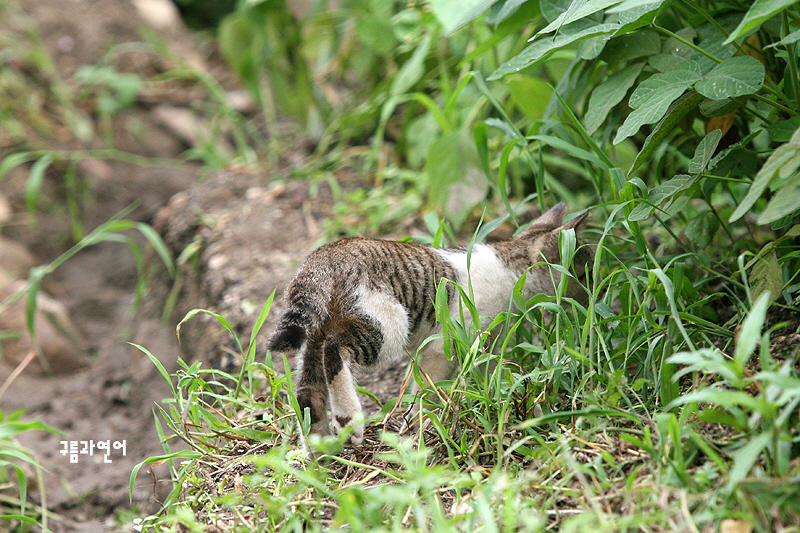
{"type": "Point", "coordinates": [112, 399]}
{"type": "Point", "coordinates": [253, 235]}
{"type": "Point", "coordinates": [249, 233]}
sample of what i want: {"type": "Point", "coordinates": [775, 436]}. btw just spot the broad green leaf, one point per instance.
{"type": "Point", "coordinates": [759, 12]}
{"type": "Point", "coordinates": [481, 135]}
{"type": "Point", "coordinates": [528, 13]}
{"type": "Point", "coordinates": [590, 48]}
{"type": "Point", "coordinates": [637, 17]}
{"type": "Point", "coordinates": [677, 111]}
{"type": "Point", "coordinates": [628, 5]}
{"type": "Point", "coordinates": [445, 165]}
{"type": "Point", "coordinates": [736, 147]}
{"type": "Point", "coordinates": [714, 46]}
{"type": "Point", "coordinates": [632, 46]}
{"type": "Point", "coordinates": [608, 94]}
{"type": "Point", "coordinates": [653, 96]}
{"type": "Point", "coordinates": [419, 134]}
{"type": "Point", "coordinates": [650, 89]}
{"type": "Point", "coordinates": [530, 95]}
{"type": "Point", "coordinates": [452, 14]}
{"type": "Point", "coordinates": [736, 76]}
{"type": "Point", "coordinates": [718, 396]}
{"type": "Point", "coordinates": [541, 48]}
{"type": "Point", "coordinates": [665, 62]}
{"type": "Point", "coordinates": [786, 172]}
{"type": "Point", "coordinates": [702, 228]}
{"type": "Point", "coordinates": [746, 456]}
{"type": "Point", "coordinates": [750, 332]}
{"type": "Point", "coordinates": [782, 130]}
{"type": "Point", "coordinates": [412, 70]}
{"type": "Point", "coordinates": [789, 39]}
{"type": "Point", "coordinates": [767, 277]}
{"type": "Point", "coordinates": [717, 108]}
{"type": "Point", "coordinates": [501, 11]}
{"type": "Point", "coordinates": [376, 33]}
{"type": "Point", "coordinates": [578, 10]}
{"type": "Point", "coordinates": [667, 190]}
{"type": "Point", "coordinates": [785, 202]}
{"type": "Point", "coordinates": [552, 9]}
{"type": "Point", "coordinates": [704, 152]}
{"type": "Point", "coordinates": [773, 164]}
{"type": "Point", "coordinates": [618, 179]}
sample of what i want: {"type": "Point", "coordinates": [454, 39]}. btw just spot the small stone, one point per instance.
{"type": "Point", "coordinates": [5, 210]}
{"type": "Point", "coordinates": [217, 261]}
{"type": "Point", "coordinates": [62, 345]}
{"type": "Point", "coordinates": [161, 14]}
{"type": "Point", "coordinates": [15, 259]}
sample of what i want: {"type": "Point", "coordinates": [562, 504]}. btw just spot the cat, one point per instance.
{"type": "Point", "coordinates": [361, 302]}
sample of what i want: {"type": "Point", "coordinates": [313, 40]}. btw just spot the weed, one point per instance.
{"type": "Point", "coordinates": [15, 508]}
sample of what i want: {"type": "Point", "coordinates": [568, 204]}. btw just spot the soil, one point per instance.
{"type": "Point", "coordinates": [254, 231]}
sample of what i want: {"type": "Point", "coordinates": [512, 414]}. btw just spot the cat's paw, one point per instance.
{"type": "Point", "coordinates": [357, 436]}
{"type": "Point", "coordinates": [356, 429]}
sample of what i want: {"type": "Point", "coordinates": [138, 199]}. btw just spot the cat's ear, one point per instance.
{"type": "Point", "coordinates": [552, 217]}
{"type": "Point", "coordinates": [575, 222]}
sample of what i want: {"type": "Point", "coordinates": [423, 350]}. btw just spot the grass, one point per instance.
{"type": "Point", "coordinates": [669, 402]}
{"type": "Point", "coordinates": [646, 418]}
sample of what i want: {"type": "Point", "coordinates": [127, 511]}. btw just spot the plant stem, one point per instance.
{"type": "Point", "coordinates": [688, 43]}
{"type": "Point", "coordinates": [791, 50]}
{"type": "Point", "coordinates": [774, 104]}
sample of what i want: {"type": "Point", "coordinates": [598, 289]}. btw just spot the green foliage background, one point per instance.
{"type": "Point", "coordinates": [668, 402]}
{"type": "Point", "coordinates": [676, 122]}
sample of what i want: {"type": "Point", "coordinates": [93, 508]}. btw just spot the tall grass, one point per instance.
{"type": "Point", "coordinates": [569, 416]}
{"type": "Point", "coordinates": [663, 403]}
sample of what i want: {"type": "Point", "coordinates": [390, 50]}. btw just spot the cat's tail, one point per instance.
{"type": "Point", "coordinates": [306, 308]}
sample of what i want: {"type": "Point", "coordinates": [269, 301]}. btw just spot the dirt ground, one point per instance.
{"type": "Point", "coordinates": [254, 230]}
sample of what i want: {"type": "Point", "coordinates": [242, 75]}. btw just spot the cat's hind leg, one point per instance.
{"type": "Point", "coordinates": [359, 341]}
{"type": "Point", "coordinates": [311, 390]}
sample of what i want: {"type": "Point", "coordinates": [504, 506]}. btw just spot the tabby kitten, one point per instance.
{"type": "Point", "coordinates": [361, 302]}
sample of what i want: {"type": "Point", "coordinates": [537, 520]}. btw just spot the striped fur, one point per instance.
{"type": "Point", "coordinates": [362, 302]}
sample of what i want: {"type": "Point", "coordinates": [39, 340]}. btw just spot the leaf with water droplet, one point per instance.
{"type": "Point", "coordinates": [736, 76]}
{"type": "Point", "coordinates": [653, 96]}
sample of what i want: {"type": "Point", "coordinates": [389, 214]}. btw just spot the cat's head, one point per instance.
{"type": "Point", "coordinates": [541, 240]}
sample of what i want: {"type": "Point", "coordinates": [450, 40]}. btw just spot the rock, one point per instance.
{"type": "Point", "coordinates": [61, 344]}
{"type": "Point", "coordinates": [5, 210]}
{"type": "Point", "coordinates": [15, 259]}
{"type": "Point", "coordinates": [186, 125]}
{"type": "Point", "coordinates": [731, 525]}
{"type": "Point", "coordinates": [161, 14]}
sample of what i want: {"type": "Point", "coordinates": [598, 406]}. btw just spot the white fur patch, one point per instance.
{"type": "Point", "coordinates": [393, 320]}
{"type": "Point", "coordinates": [492, 282]}
{"type": "Point", "coordinates": [345, 405]}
